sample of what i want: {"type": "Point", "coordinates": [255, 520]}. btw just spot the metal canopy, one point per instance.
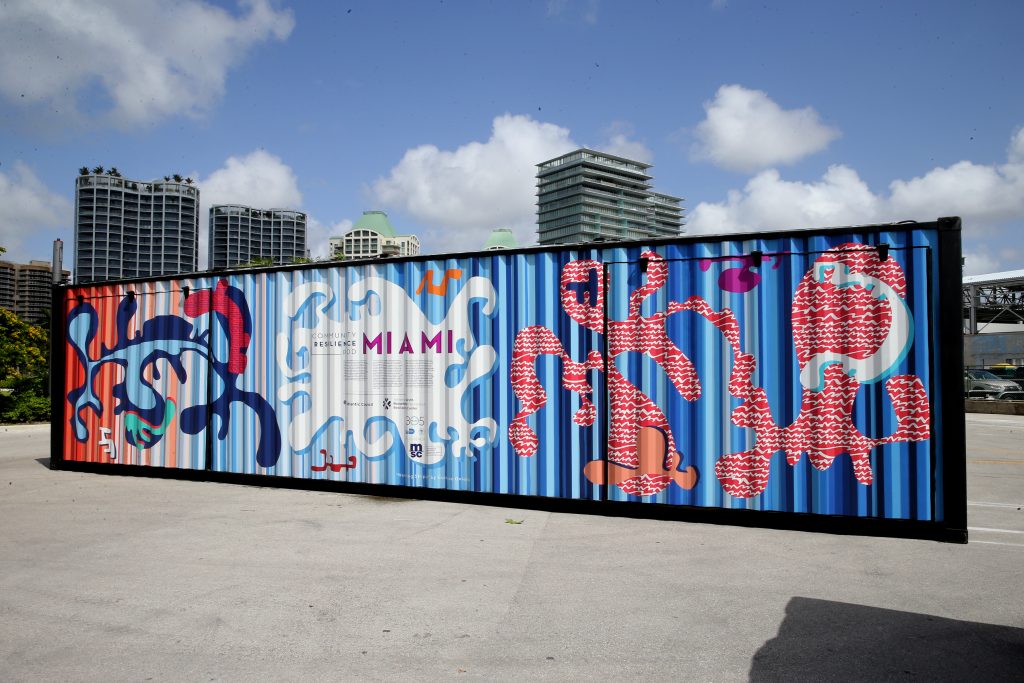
{"type": "Point", "coordinates": [993, 298]}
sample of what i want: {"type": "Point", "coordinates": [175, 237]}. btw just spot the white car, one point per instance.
{"type": "Point", "coordinates": [983, 382]}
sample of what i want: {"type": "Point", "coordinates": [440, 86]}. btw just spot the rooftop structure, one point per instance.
{"type": "Point", "coordinates": [993, 298]}
{"type": "Point", "coordinates": [501, 238]}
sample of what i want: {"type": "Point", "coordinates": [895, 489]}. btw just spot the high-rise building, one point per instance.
{"type": "Point", "coordinates": [241, 235]}
{"type": "Point", "coordinates": [26, 289]}
{"type": "Point", "coordinates": [133, 228]}
{"type": "Point", "coordinates": [373, 236]}
{"type": "Point", "coordinates": [8, 285]}
{"type": "Point", "coordinates": [587, 196]}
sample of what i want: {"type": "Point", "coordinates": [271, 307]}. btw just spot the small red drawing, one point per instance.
{"type": "Point", "coordinates": [335, 467]}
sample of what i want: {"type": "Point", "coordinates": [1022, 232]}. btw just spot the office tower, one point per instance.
{"type": "Point", "coordinates": [26, 289]}
{"type": "Point", "coordinates": [373, 236]}
{"type": "Point", "coordinates": [241, 235]}
{"type": "Point", "coordinates": [587, 196]}
{"type": "Point", "coordinates": [132, 228]}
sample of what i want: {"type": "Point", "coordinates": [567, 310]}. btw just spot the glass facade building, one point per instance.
{"type": "Point", "coordinates": [129, 228]}
{"type": "Point", "coordinates": [587, 196]}
{"type": "Point", "coordinates": [241, 235]}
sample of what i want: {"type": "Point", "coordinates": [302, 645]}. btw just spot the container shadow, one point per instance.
{"type": "Point", "coordinates": [825, 640]}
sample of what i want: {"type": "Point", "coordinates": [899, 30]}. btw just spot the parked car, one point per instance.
{"type": "Point", "coordinates": [1010, 372]}
{"type": "Point", "coordinates": [984, 384]}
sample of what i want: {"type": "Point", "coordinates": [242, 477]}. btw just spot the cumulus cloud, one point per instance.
{"type": "Point", "coordinates": [987, 194]}
{"type": "Point", "coordinates": [745, 130]}
{"type": "Point", "coordinates": [258, 179]}
{"type": "Point", "coordinates": [986, 197]}
{"type": "Point", "coordinates": [768, 202]}
{"type": "Point", "coordinates": [28, 207]}
{"type": "Point", "coordinates": [150, 59]}
{"type": "Point", "coordinates": [981, 262]}
{"type": "Point", "coordinates": [465, 193]}
{"type": "Point", "coordinates": [620, 144]}
{"type": "Point", "coordinates": [318, 235]}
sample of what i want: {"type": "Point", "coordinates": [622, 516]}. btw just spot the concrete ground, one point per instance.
{"type": "Point", "coordinates": [109, 578]}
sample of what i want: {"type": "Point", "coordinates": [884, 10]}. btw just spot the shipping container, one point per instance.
{"type": "Point", "coordinates": [815, 374]}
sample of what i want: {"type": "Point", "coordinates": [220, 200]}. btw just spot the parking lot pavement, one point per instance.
{"type": "Point", "coordinates": [995, 479]}
{"type": "Point", "coordinates": [124, 578]}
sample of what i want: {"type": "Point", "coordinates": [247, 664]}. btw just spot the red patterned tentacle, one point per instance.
{"type": "Point", "coordinates": [574, 378]}
{"type": "Point", "coordinates": [657, 275]}
{"type": "Point", "coordinates": [585, 314]}
{"type": "Point", "coordinates": [910, 402]}
{"type": "Point", "coordinates": [530, 343]}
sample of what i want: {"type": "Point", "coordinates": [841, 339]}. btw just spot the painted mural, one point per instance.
{"type": "Point", "coordinates": [792, 374]}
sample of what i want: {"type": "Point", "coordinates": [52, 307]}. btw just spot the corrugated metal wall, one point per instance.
{"type": "Point", "coordinates": [413, 373]}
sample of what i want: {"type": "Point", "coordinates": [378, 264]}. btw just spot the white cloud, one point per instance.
{"type": "Point", "coordinates": [981, 262]}
{"type": "Point", "coordinates": [987, 194]}
{"type": "Point", "coordinates": [464, 194]}
{"type": "Point", "coordinates": [28, 208]}
{"type": "Point", "coordinates": [318, 235]}
{"type": "Point", "coordinates": [620, 144]}
{"type": "Point", "coordinates": [986, 197]}
{"type": "Point", "coordinates": [258, 179]}
{"type": "Point", "coordinates": [262, 181]}
{"type": "Point", "coordinates": [768, 202]}
{"type": "Point", "coordinates": [150, 58]}
{"type": "Point", "coordinates": [745, 130]}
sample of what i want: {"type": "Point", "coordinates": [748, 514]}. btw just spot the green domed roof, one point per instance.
{"type": "Point", "coordinates": [501, 238]}
{"type": "Point", "coordinates": [376, 221]}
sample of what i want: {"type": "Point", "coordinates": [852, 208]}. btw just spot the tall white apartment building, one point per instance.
{"type": "Point", "coordinates": [134, 228]}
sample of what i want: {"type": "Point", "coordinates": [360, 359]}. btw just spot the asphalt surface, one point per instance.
{"type": "Point", "coordinates": [110, 578]}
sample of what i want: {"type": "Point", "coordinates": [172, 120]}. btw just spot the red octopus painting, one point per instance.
{"type": "Point", "coordinates": [850, 327]}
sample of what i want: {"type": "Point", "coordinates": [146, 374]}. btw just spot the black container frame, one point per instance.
{"type": "Point", "coordinates": [949, 421]}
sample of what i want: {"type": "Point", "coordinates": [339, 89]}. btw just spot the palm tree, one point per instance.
{"type": "Point", "coordinates": [167, 178]}
{"type": "Point", "coordinates": [114, 172]}
{"type": "Point", "coordinates": [177, 177]}
{"type": "Point", "coordinates": [98, 170]}
{"type": "Point", "coordinates": [189, 181]}
{"type": "Point", "coordinates": [83, 171]}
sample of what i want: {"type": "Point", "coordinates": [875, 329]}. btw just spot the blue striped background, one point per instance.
{"type": "Point", "coordinates": [527, 286]}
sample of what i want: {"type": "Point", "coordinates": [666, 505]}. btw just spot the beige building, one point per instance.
{"type": "Point", "coordinates": [373, 236]}
{"type": "Point", "coordinates": [26, 289]}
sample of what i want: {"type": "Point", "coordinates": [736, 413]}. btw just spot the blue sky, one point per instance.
{"type": "Point", "coordinates": [762, 115]}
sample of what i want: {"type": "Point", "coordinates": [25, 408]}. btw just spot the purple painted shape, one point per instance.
{"type": "Point", "coordinates": [742, 278]}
